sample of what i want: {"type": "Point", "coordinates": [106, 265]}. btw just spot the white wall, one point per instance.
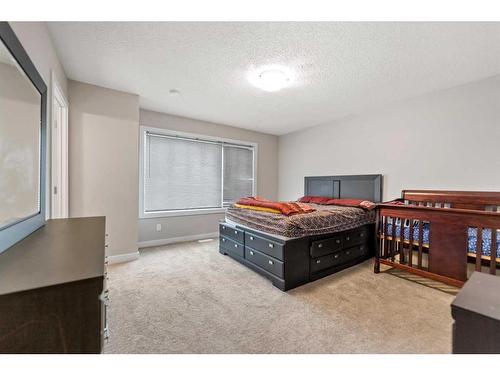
{"type": "Point", "coordinates": [103, 161]}
{"type": "Point", "coordinates": [445, 140]}
{"type": "Point", "coordinates": [187, 226]}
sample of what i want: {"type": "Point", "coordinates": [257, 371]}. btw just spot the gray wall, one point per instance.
{"type": "Point", "coordinates": [35, 38]}
{"type": "Point", "coordinates": [444, 140]}
{"type": "Point", "coordinates": [193, 225]}
{"type": "Point", "coordinates": [103, 161]}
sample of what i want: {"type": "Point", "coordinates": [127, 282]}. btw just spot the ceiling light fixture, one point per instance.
{"type": "Point", "coordinates": [270, 79]}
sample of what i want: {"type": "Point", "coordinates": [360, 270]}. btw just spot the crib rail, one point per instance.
{"type": "Point", "coordinates": [472, 200]}
{"type": "Point", "coordinates": [444, 254]}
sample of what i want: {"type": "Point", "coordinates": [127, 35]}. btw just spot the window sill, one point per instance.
{"type": "Point", "coordinates": [203, 211]}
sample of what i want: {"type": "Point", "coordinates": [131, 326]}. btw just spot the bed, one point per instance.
{"type": "Point", "coordinates": [294, 250]}
{"type": "Point", "coordinates": [442, 235]}
{"type": "Point", "coordinates": [324, 220]}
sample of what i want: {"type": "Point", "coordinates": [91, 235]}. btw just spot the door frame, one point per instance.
{"type": "Point", "coordinates": [59, 189]}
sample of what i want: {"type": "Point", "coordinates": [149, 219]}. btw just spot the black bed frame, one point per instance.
{"type": "Point", "coordinates": [290, 262]}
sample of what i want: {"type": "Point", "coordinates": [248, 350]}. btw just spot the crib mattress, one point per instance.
{"type": "Point", "coordinates": [471, 237]}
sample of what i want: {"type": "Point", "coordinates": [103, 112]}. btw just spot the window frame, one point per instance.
{"type": "Point", "coordinates": [174, 133]}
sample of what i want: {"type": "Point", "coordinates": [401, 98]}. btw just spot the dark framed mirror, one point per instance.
{"type": "Point", "coordinates": [23, 121]}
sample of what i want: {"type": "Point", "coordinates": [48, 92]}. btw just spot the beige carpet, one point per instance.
{"type": "Point", "coordinates": [188, 298]}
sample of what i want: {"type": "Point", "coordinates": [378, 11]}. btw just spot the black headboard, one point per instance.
{"type": "Point", "coordinates": [367, 186]}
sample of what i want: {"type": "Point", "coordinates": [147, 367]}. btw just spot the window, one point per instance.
{"type": "Point", "coordinates": [185, 173]}
{"type": "Point", "coordinates": [238, 172]}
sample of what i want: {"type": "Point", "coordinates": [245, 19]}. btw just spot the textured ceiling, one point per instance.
{"type": "Point", "coordinates": [339, 68]}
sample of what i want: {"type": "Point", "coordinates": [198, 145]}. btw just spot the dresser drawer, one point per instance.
{"type": "Point", "coordinates": [263, 261]}
{"type": "Point", "coordinates": [355, 236]}
{"type": "Point", "coordinates": [231, 232]}
{"type": "Point", "coordinates": [326, 261]}
{"type": "Point", "coordinates": [326, 246]}
{"type": "Point", "coordinates": [355, 252]}
{"type": "Point", "coordinates": [232, 247]}
{"type": "Point", "coordinates": [339, 257]}
{"type": "Point", "coordinates": [264, 245]}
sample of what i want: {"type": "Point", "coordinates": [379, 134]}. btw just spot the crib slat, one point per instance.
{"type": "Point", "coordinates": [420, 242]}
{"type": "Point", "coordinates": [382, 238]}
{"type": "Point", "coordinates": [410, 245]}
{"type": "Point", "coordinates": [479, 248]}
{"type": "Point", "coordinates": [493, 252]}
{"type": "Point", "coordinates": [385, 252]}
{"type": "Point", "coordinates": [401, 241]}
{"type": "Point", "coordinates": [393, 247]}
{"type": "Point", "coordinates": [379, 227]}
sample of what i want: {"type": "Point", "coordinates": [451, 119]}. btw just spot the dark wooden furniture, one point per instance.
{"type": "Point", "coordinates": [448, 215]}
{"type": "Point", "coordinates": [476, 311]}
{"type": "Point", "coordinates": [52, 289]}
{"type": "Point", "coordinates": [290, 262]}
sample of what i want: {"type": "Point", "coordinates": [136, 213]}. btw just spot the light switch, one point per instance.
{"type": "Point", "coordinates": [158, 227]}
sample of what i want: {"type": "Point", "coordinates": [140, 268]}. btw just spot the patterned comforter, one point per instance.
{"type": "Point", "coordinates": [326, 219]}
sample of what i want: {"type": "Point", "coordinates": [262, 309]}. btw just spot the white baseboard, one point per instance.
{"type": "Point", "coordinates": [167, 241]}
{"type": "Point", "coordinates": [123, 257]}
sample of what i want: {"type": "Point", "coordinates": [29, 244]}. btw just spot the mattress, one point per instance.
{"type": "Point", "coordinates": [326, 219]}
{"type": "Point", "coordinates": [471, 237]}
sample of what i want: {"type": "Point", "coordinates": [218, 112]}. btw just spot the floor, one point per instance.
{"type": "Point", "coordinates": [188, 298]}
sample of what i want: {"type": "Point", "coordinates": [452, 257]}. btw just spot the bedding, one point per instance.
{"type": "Point", "coordinates": [256, 208]}
{"type": "Point", "coordinates": [361, 203]}
{"type": "Point", "coordinates": [324, 219]}
{"type": "Point", "coordinates": [472, 239]}
{"type": "Point", "coordinates": [285, 208]}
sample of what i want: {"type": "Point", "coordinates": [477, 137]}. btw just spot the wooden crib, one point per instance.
{"type": "Point", "coordinates": [446, 218]}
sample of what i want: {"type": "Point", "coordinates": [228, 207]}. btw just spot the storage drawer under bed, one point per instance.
{"type": "Point", "coordinates": [337, 258]}
{"type": "Point", "coordinates": [264, 261]}
{"type": "Point", "coordinates": [355, 236]}
{"type": "Point", "coordinates": [231, 232]}
{"type": "Point", "coordinates": [326, 246]}
{"type": "Point", "coordinates": [264, 245]}
{"type": "Point", "coordinates": [232, 247]}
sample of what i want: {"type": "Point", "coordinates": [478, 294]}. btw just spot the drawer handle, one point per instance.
{"type": "Point", "coordinates": [104, 297]}
{"type": "Point", "coordinates": [336, 256]}
{"type": "Point", "coordinates": [318, 261]}
{"type": "Point", "coordinates": [251, 238]}
{"type": "Point", "coordinates": [362, 235]}
{"type": "Point", "coordinates": [347, 238]}
{"type": "Point", "coordinates": [347, 252]}
{"type": "Point", "coordinates": [337, 241]}
{"type": "Point", "coordinates": [271, 245]}
{"type": "Point", "coordinates": [105, 334]}
{"type": "Point", "coordinates": [223, 240]}
{"type": "Point", "coordinates": [251, 252]}
{"type": "Point", "coordinates": [223, 227]}
{"type": "Point", "coordinates": [320, 245]}
{"type": "Point", "coordinates": [235, 232]}
{"type": "Point", "coordinates": [271, 262]}
{"type": "Point", "coordinates": [235, 245]}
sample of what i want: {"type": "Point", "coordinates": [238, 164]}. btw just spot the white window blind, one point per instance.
{"type": "Point", "coordinates": [238, 173]}
{"type": "Point", "coordinates": [181, 174]}
{"type": "Point", "coordinates": [188, 174]}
